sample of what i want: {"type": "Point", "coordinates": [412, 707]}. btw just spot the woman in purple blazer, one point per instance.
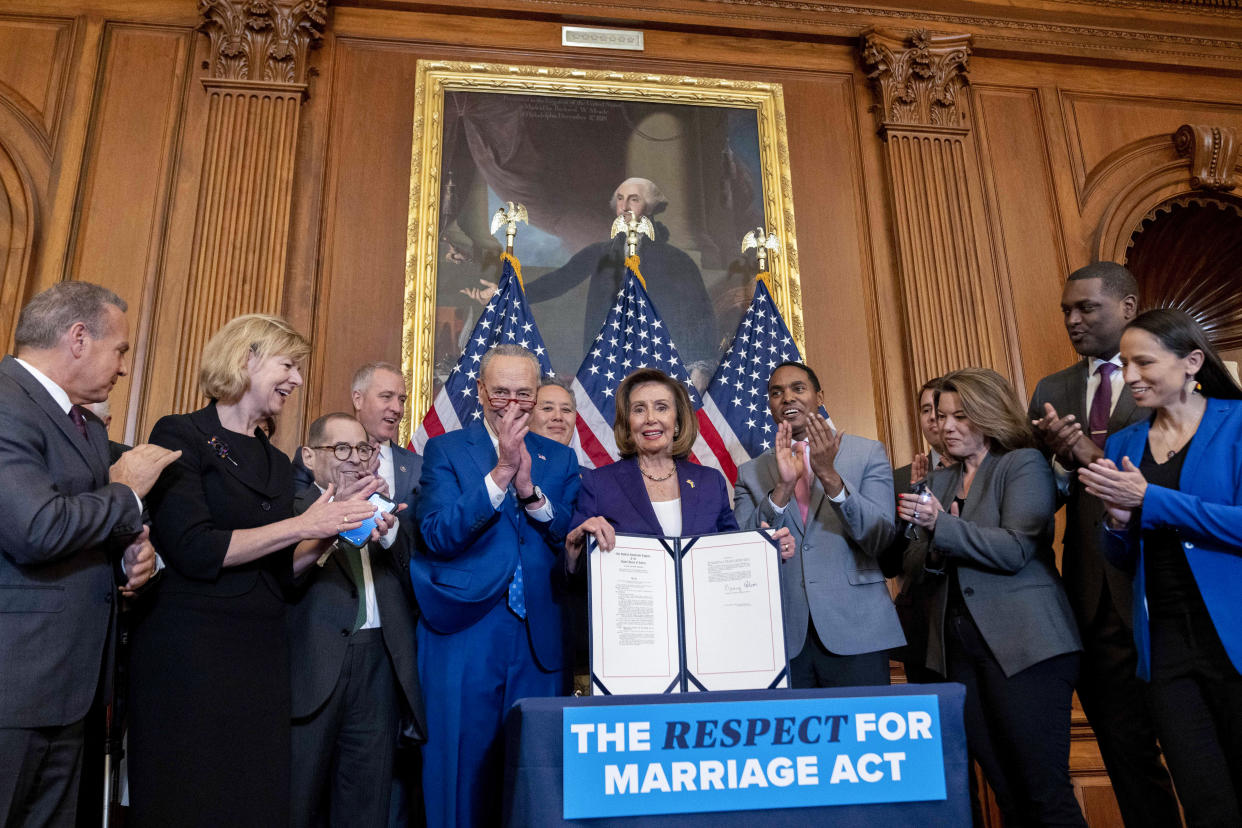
{"type": "Point", "coordinates": [653, 489]}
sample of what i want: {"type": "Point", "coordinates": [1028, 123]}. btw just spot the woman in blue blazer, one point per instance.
{"type": "Point", "coordinates": [1173, 488]}
{"type": "Point", "coordinates": [653, 489]}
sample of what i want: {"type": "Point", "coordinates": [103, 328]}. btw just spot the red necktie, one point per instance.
{"type": "Point", "coordinates": [802, 489]}
{"type": "Point", "coordinates": [79, 420]}
{"type": "Point", "coordinates": [1102, 404]}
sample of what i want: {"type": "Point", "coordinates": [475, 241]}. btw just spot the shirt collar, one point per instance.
{"type": "Point", "coordinates": [59, 394]}
{"type": "Point", "coordinates": [1095, 362]}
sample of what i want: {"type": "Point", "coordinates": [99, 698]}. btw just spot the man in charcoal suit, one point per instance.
{"type": "Point", "coordinates": [1097, 303]}
{"type": "Point", "coordinates": [352, 650]}
{"type": "Point", "coordinates": [72, 530]}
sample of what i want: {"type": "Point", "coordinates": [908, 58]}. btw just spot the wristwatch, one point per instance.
{"type": "Point", "coordinates": [533, 497]}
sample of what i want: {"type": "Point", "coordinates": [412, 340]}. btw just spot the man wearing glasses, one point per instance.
{"type": "Point", "coordinates": [494, 509]}
{"type": "Point", "coordinates": [352, 651]}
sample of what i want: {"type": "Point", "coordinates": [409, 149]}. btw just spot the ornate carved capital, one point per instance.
{"type": "Point", "coordinates": [1213, 153]}
{"type": "Point", "coordinates": [263, 40]}
{"type": "Point", "coordinates": [916, 79]}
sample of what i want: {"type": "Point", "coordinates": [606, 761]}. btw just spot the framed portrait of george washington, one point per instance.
{"type": "Point", "coordinates": [705, 160]}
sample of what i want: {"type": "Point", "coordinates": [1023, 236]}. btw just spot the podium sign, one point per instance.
{"type": "Point", "coordinates": [686, 757]}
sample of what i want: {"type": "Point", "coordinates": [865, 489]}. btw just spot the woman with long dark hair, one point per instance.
{"type": "Point", "coordinates": [1172, 486]}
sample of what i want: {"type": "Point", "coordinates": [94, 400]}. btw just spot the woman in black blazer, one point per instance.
{"type": "Point", "coordinates": [209, 737]}
{"type": "Point", "coordinates": [999, 619]}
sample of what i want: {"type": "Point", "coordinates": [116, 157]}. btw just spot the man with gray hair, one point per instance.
{"type": "Point", "coordinates": [494, 511]}
{"type": "Point", "coordinates": [72, 532]}
{"type": "Point", "coordinates": [674, 281]}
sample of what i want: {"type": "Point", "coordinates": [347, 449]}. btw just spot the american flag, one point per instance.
{"type": "Point", "coordinates": [505, 320]}
{"type": "Point", "coordinates": [633, 336]}
{"type": "Point", "coordinates": [736, 400]}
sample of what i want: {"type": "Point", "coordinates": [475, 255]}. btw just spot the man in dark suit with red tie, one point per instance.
{"type": "Point", "coordinates": [72, 531]}
{"type": "Point", "coordinates": [1097, 303]}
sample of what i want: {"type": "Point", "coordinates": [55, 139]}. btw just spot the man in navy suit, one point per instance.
{"type": "Point", "coordinates": [494, 510]}
{"type": "Point", "coordinates": [72, 531]}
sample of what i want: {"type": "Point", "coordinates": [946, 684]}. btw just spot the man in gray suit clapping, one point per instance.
{"type": "Point", "coordinates": [72, 531]}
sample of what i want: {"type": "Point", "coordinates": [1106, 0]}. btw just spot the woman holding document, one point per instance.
{"type": "Point", "coordinates": [999, 620]}
{"type": "Point", "coordinates": [653, 489]}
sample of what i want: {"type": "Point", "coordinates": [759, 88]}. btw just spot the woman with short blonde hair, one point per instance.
{"type": "Point", "coordinates": [209, 737]}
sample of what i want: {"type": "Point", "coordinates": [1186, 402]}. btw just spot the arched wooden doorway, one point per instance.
{"type": "Point", "coordinates": [1187, 253]}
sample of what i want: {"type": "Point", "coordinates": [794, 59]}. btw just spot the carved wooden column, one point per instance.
{"type": "Point", "coordinates": [257, 84]}
{"type": "Point", "coordinates": [947, 282]}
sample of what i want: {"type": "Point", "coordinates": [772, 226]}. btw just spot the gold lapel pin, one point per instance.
{"type": "Point", "coordinates": [690, 482]}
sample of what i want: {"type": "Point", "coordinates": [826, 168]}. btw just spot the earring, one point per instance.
{"type": "Point", "coordinates": [1198, 387]}
{"type": "Point", "coordinates": [676, 432]}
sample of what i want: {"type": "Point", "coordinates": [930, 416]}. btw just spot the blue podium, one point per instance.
{"type": "Point", "coordinates": [857, 756]}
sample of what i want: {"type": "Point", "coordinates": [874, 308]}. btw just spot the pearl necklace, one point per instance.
{"type": "Point", "coordinates": [655, 479]}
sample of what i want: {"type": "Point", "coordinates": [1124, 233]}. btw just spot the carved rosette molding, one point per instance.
{"type": "Point", "coordinates": [950, 301]}
{"type": "Point", "coordinates": [254, 99]}
{"type": "Point", "coordinates": [1213, 154]}
{"type": "Point", "coordinates": [916, 79]}
{"type": "Point", "coordinates": [262, 40]}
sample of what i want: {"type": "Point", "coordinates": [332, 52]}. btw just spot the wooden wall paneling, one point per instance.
{"type": "Point", "coordinates": [358, 317]}
{"type": "Point", "coordinates": [242, 225]}
{"type": "Point", "coordinates": [1105, 129]}
{"type": "Point", "coordinates": [303, 289]}
{"type": "Point", "coordinates": [1024, 224]}
{"type": "Point", "coordinates": [839, 301]}
{"type": "Point", "coordinates": [34, 68]}
{"type": "Point", "coordinates": [131, 152]}
{"type": "Point", "coordinates": [949, 290]}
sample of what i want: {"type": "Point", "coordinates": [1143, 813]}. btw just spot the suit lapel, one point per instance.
{"type": "Point", "coordinates": [636, 490]}
{"type": "Point", "coordinates": [40, 397]}
{"type": "Point", "coordinates": [217, 439]}
{"type": "Point", "coordinates": [1123, 411]}
{"type": "Point", "coordinates": [981, 483]}
{"type": "Point", "coordinates": [1078, 392]}
{"type": "Point", "coordinates": [691, 498]}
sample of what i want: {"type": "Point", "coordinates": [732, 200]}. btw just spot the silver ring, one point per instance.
{"type": "Point", "coordinates": [916, 514]}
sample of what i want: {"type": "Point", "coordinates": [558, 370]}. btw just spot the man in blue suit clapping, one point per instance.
{"type": "Point", "coordinates": [494, 509]}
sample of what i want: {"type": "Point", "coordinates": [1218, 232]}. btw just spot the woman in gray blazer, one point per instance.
{"type": "Point", "coordinates": [999, 619]}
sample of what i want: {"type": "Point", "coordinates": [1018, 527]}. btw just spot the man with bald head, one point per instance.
{"type": "Point", "coordinates": [1073, 411]}
{"type": "Point", "coordinates": [674, 281]}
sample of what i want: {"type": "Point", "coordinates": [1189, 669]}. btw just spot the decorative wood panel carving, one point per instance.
{"type": "Point", "coordinates": [949, 304]}
{"type": "Point", "coordinates": [1187, 253]}
{"type": "Point", "coordinates": [1213, 152]}
{"type": "Point", "coordinates": [259, 49]}
{"type": "Point", "coordinates": [266, 40]}
{"type": "Point", "coordinates": [917, 79]}
{"type": "Point", "coordinates": [18, 215]}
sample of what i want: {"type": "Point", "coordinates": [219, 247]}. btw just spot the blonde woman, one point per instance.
{"type": "Point", "coordinates": [999, 619]}
{"type": "Point", "coordinates": [209, 736]}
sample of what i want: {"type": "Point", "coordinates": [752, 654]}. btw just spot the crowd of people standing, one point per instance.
{"type": "Point", "coordinates": [280, 675]}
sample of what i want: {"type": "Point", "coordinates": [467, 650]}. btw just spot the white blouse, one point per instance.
{"type": "Point", "coordinates": [668, 512]}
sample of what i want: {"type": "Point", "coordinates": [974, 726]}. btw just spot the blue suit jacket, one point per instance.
{"type": "Point", "coordinates": [1206, 513]}
{"type": "Point", "coordinates": [616, 493]}
{"type": "Point", "coordinates": [471, 550]}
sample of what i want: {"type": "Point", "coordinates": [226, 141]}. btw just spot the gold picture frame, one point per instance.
{"type": "Point", "coordinates": [438, 80]}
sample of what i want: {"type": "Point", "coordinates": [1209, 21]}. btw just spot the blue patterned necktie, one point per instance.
{"type": "Point", "coordinates": [517, 589]}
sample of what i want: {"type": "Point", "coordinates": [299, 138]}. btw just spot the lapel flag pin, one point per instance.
{"type": "Point", "coordinates": [541, 457]}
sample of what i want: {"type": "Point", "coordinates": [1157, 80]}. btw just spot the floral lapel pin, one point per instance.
{"type": "Point", "coordinates": [221, 449]}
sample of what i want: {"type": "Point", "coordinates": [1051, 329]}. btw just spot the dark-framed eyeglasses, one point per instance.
{"type": "Point", "coordinates": [499, 400]}
{"type": "Point", "coordinates": [343, 451]}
